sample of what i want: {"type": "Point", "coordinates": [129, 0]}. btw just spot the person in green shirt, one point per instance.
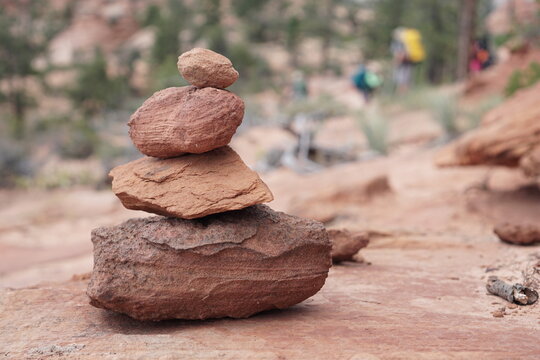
{"type": "Point", "coordinates": [366, 81]}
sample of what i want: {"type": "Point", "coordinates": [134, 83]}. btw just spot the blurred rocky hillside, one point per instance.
{"type": "Point", "coordinates": [72, 72]}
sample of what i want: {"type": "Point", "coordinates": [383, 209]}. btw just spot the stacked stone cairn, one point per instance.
{"type": "Point", "coordinates": [215, 251]}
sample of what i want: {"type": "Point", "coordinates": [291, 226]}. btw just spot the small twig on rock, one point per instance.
{"type": "Point", "coordinates": [516, 293]}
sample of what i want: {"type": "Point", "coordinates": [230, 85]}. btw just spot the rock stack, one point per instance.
{"type": "Point", "coordinates": [215, 251]}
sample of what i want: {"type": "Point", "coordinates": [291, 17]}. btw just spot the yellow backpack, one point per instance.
{"type": "Point", "coordinates": [412, 41]}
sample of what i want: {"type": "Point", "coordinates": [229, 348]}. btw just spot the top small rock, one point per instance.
{"type": "Point", "coordinates": [205, 68]}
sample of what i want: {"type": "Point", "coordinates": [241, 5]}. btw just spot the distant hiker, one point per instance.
{"type": "Point", "coordinates": [299, 86]}
{"type": "Point", "coordinates": [366, 81]}
{"type": "Point", "coordinates": [407, 50]}
{"type": "Point", "coordinates": [302, 125]}
{"type": "Point", "coordinates": [480, 57]}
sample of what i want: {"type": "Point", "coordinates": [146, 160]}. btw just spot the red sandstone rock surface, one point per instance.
{"type": "Point", "coordinates": [232, 264]}
{"type": "Point", "coordinates": [346, 244]}
{"type": "Point", "coordinates": [205, 68]}
{"type": "Point", "coordinates": [509, 135]}
{"type": "Point", "coordinates": [506, 134]}
{"type": "Point", "coordinates": [189, 186]}
{"type": "Point", "coordinates": [180, 120]}
{"type": "Point", "coordinates": [427, 245]}
{"type": "Point", "coordinates": [530, 162]}
{"type": "Point", "coordinates": [328, 195]}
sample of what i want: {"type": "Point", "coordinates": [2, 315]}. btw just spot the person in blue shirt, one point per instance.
{"type": "Point", "coordinates": [366, 81]}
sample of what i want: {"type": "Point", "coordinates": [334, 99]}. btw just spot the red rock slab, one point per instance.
{"type": "Point", "coordinates": [422, 302]}
{"type": "Point", "coordinates": [189, 186]}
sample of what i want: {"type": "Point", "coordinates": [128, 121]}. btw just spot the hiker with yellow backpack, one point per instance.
{"type": "Point", "coordinates": [408, 51]}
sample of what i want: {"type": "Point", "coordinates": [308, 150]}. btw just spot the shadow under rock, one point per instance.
{"type": "Point", "coordinates": [123, 324]}
{"type": "Point", "coordinates": [521, 205]}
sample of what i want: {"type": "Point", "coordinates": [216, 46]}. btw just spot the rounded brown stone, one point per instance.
{"type": "Point", "coordinates": [205, 68]}
{"type": "Point", "coordinates": [519, 234]}
{"type": "Point", "coordinates": [180, 120]}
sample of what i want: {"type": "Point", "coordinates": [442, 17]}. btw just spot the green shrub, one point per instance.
{"type": "Point", "coordinates": [375, 128]}
{"type": "Point", "coordinates": [254, 70]}
{"type": "Point", "coordinates": [520, 79]}
{"type": "Point", "coordinates": [475, 115]}
{"type": "Point", "coordinates": [515, 82]}
{"type": "Point", "coordinates": [445, 112]}
{"type": "Point", "coordinates": [14, 162]}
{"type": "Point", "coordinates": [502, 39]}
{"type": "Point", "coordinates": [62, 176]}
{"type": "Point", "coordinates": [166, 75]}
{"type": "Point", "coordinates": [169, 22]}
{"type": "Point", "coordinates": [95, 90]}
{"type": "Point", "coordinates": [532, 74]}
{"type": "Point", "coordinates": [152, 16]}
{"type": "Point", "coordinates": [77, 140]}
{"type": "Point", "coordinates": [414, 99]}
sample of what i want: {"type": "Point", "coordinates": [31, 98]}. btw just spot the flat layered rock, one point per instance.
{"type": "Point", "coordinates": [346, 244]}
{"type": "Point", "coordinates": [206, 68]}
{"type": "Point", "coordinates": [181, 120]}
{"type": "Point", "coordinates": [189, 186]}
{"type": "Point", "coordinates": [232, 264]}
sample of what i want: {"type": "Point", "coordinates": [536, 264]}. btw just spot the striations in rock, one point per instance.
{"type": "Point", "coordinates": [189, 186]}
{"type": "Point", "coordinates": [205, 68]}
{"type": "Point", "coordinates": [181, 120]}
{"type": "Point", "coordinates": [232, 264]}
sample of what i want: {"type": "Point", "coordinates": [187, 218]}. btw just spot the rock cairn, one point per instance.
{"type": "Point", "coordinates": [215, 251]}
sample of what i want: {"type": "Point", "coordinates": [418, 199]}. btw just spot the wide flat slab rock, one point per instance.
{"type": "Point", "coordinates": [189, 186]}
{"type": "Point", "coordinates": [180, 120]}
{"type": "Point", "coordinates": [396, 308]}
{"type": "Point", "coordinates": [232, 264]}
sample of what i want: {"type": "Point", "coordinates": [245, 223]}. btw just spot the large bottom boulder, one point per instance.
{"type": "Point", "coordinates": [233, 264]}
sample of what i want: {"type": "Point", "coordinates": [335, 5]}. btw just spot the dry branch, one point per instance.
{"type": "Point", "coordinates": [516, 293]}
